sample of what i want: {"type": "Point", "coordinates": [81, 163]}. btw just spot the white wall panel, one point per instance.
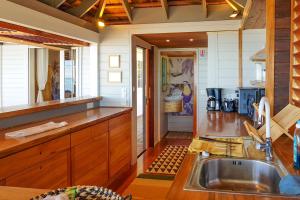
{"type": "Point", "coordinates": [223, 59]}
{"type": "Point", "coordinates": [15, 77]}
{"type": "Point", "coordinates": [253, 41]}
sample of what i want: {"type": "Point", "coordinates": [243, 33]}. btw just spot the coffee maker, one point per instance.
{"type": "Point", "coordinates": [211, 102]}
{"type": "Point", "coordinates": [214, 101]}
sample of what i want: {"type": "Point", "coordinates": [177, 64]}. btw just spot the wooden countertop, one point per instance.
{"type": "Point", "coordinates": [13, 111]}
{"type": "Point", "coordinates": [178, 193]}
{"type": "Point", "coordinates": [17, 193]}
{"type": "Point", "coordinates": [75, 121]}
{"type": "Point", "coordinates": [219, 124]}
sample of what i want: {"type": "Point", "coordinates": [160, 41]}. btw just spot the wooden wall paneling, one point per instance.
{"type": "Point", "coordinates": [282, 55]}
{"type": "Point", "coordinates": [278, 58]}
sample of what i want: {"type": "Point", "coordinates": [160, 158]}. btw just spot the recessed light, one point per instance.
{"type": "Point", "coordinates": [167, 40]}
{"type": "Point", "coordinates": [101, 23]}
{"type": "Point", "coordinates": [191, 40]}
{"type": "Point", "coordinates": [234, 14]}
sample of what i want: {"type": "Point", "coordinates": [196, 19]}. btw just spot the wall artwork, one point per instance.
{"type": "Point", "coordinates": [182, 82]}
{"type": "Point", "coordinates": [114, 61]}
{"type": "Point", "coordinates": [115, 77]}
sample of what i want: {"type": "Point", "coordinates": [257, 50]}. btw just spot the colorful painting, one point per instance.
{"type": "Point", "coordinates": [182, 82]}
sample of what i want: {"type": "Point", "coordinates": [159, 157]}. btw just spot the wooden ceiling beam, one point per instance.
{"type": "Point", "coordinates": [54, 12]}
{"type": "Point", "coordinates": [234, 5]}
{"type": "Point", "coordinates": [165, 6]}
{"type": "Point", "coordinates": [25, 42]}
{"type": "Point", "coordinates": [100, 10]}
{"type": "Point", "coordinates": [53, 3]}
{"type": "Point", "coordinates": [113, 15]}
{"type": "Point", "coordinates": [157, 4]}
{"type": "Point", "coordinates": [246, 13]}
{"type": "Point", "coordinates": [41, 33]}
{"type": "Point", "coordinates": [83, 8]}
{"type": "Point", "coordinates": [127, 9]}
{"type": "Point", "coordinates": [204, 8]}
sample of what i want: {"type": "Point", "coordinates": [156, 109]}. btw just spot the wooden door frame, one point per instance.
{"type": "Point", "coordinates": [149, 72]}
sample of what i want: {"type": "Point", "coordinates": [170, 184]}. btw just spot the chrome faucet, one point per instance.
{"type": "Point", "coordinates": [264, 103]}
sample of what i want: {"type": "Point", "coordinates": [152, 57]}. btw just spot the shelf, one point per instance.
{"type": "Point", "coordinates": [296, 89]}
{"type": "Point", "coordinates": [297, 54]}
{"type": "Point", "coordinates": [297, 19]}
{"type": "Point", "coordinates": [297, 8]}
{"type": "Point", "coordinates": [296, 77]}
{"type": "Point", "coordinates": [297, 66]}
{"type": "Point", "coordinates": [297, 43]}
{"type": "Point", "coordinates": [297, 31]}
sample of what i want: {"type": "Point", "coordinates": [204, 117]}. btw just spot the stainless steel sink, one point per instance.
{"type": "Point", "coordinates": [235, 175]}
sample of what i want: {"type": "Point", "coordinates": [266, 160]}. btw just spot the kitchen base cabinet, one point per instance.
{"type": "Point", "coordinates": [50, 174]}
{"type": "Point", "coordinates": [89, 156]}
{"type": "Point", "coordinates": [119, 146]}
{"type": "Point", "coordinates": [98, 154]}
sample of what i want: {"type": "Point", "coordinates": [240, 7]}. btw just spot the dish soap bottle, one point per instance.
{"type": "Point", "coordinates": [297, 146]}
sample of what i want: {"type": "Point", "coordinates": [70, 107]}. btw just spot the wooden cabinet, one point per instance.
{"type": "Point", "coordinates": [43, 166]}
{"type": "Point", "coordinates": [119, 145]}
{"type": "Point", "coordinates": [95, 155]}
{"type": "Point", "coordinates": [49, 174]}
{"type": "Point", "coordinates": [89, 155]}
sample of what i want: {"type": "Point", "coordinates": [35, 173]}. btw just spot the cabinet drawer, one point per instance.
{"type": "Point", "coordinates": [90, 162]}
{"type": "Point", "coordinates": [49, 174]}
{"type": "Point", "coordinates": [89, 133]}
{"type": "Point", "coordinates": [20, 161]}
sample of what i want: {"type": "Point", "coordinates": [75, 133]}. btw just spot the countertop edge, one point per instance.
{"type": "Point", "coordinates": [15, 111]}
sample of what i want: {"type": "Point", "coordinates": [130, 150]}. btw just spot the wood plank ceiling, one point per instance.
{"type": "Point", "coordinates": [176, 40]}
{"type": "Point", "coordinates": [120, 11]}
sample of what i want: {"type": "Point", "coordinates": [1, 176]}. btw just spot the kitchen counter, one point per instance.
{"type": "Point", "coordinates": [219, 124]}
{"type": "Point", "coordinates": [75, 121]}
{"type": "Point", "coordinates": [17, 193]}
{"type": "Point", "coordinates": [177, 192]}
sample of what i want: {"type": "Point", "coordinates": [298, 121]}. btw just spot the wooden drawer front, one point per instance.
{"type": "Point", "coordinates": [120, 145]}
{"type": "Point", "coordinates": [89, 134]}
{"type": "Point", "coordinates": [99, 129]}
{"type": "Point", "coordinates": [118, 121]}
{"type": "Point", "coordinates": [27, 158]}
{"type": "Point", "coordinates": [49, 174]}
{"type": "Point", "coordinates": [90, 162]}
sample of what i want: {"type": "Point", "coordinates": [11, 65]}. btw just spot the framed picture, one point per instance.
{"type": "Point", "coordinates": [114, 61]}
{"type": "Point", "coordinates": [114, 77]}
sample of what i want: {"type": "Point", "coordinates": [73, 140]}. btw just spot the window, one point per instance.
{"type": "Point", "coordinates": [14, 75]}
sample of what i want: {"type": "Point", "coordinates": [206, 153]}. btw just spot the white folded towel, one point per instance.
{"type": "Point", "coordinates": [36, 129]}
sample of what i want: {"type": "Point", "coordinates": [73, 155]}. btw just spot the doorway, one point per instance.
{"type": "Point", "coordinates": [141, 99]}
{"type": "Point", "coordinates": [178, 94]}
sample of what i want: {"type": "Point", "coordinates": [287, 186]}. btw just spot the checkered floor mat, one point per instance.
{"type": "Point", "coordinates": [169, 160]}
